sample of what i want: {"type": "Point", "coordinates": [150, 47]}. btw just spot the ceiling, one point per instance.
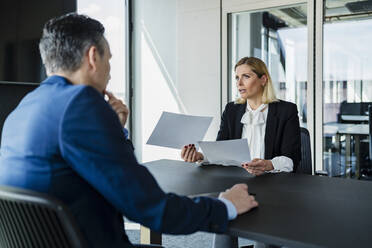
{"type": "Point", "coordinates": [335, 10]}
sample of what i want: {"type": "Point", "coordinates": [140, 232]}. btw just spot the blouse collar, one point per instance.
{"type": "Point", "coordinates": [254, 117]}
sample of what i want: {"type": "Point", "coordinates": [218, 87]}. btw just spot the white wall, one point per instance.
{"type": "Point", "coordinates": [176, 66]}
{"type": "Point", "coordinates": [198, 60]}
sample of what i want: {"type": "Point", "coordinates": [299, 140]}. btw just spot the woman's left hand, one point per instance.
{"type": "Point", "coordinates": [258, 166]}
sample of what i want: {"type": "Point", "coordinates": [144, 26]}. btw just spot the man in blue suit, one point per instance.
{"type": "Point", "coordinates": [65, 140]}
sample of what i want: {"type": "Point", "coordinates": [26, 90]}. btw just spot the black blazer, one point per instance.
{"type": "Point", "coordinates": [282, 135]}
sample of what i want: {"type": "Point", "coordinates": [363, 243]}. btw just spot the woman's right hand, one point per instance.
{"type": "Point", "coordinates": [189, 154]}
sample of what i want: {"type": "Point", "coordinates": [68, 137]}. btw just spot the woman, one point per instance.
{"type": "Point", "coordinates": [270, 125]}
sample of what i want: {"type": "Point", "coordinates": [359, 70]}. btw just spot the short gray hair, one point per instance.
{"type": "Point", "coordinates": [65, 40]}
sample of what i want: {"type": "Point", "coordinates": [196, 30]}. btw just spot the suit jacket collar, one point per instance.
{"type": "Point", "coordinates": [271, 128]}
{"type": "Point", "coordinates": [55, 79]}
{"type": "Point", "coordinates": [239, 126]}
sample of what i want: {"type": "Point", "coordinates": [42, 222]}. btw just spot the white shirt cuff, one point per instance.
{"type": "Point", "coordinates": [282, 164]}
{"type": "Point", "coordinates": [231, 209]}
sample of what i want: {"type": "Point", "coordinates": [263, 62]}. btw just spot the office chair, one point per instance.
{"type": "Point", "coordinates": [366, 172]}
{"type": "Point", "coordinates": [370, 131]}
{"type": "Point", "coordinates": [349, 108]}
{"type": "Point", "coordinates": [305, 166]}
{"type": "Point", "coordinates": [31, 219]}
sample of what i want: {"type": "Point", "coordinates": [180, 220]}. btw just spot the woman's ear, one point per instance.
{"type": "Point", "coordinates": [263, 80]}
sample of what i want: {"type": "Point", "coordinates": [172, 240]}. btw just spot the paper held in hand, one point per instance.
{"type": "Point", "coordinates": [176, 130]}
{"type": "Point", "coordinates": [226, 152]}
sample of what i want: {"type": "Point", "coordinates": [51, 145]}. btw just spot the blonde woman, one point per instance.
{"type": "Point", "coordinates": [271, 126]}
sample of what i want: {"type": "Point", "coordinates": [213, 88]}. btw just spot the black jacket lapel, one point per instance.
{"type": "Point", "coordinates": [238, 125]}
{"type": "Point", "coordinates": [271, 129]}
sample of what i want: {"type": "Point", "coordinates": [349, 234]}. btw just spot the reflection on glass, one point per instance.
{"type": "Point", "coordinates": [347, 85]}
{"type": "Point", "coordinates": [278, 37]}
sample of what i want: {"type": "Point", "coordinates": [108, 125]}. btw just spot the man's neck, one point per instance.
{"type": "Point", "coordinates": [75, 78]}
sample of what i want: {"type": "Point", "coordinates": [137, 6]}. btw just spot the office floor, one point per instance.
{"type": "Point", "coordinates": [196, 240]}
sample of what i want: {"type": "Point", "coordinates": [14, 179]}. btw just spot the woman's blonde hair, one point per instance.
{"type": "Point", "coordinates": [260, 69]}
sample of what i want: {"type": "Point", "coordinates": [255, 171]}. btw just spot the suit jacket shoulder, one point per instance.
{"type": "Point", "coordinates": [230, 127]}
{"type": "Point", "coordinates": [283, 108]}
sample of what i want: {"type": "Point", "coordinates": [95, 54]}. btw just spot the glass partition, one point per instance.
{"type": "Point", "coordinates": [278, 36]}
{"type": "Point", "coordinates": [347, 85]}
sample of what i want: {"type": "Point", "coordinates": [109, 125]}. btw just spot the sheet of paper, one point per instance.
{"type": "Point", "coordinates": [226, 152]}
{"type": "Point", "coordinates": [176, 130]}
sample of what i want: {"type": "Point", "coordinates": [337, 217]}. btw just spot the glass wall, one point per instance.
{"type": "Point", "coordinates": [176, 67]}
{"type": "Point", "coordinates": [112, 15]}
{"type": "Point", "coordinates": [278, 36]}
{"type": "Point", "coordinates": [347, 87]}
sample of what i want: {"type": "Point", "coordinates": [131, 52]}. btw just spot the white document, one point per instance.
{"type": "Point", "coordinates": [226, 152]}
{"type": "Point", "coordinates": [176, 130]}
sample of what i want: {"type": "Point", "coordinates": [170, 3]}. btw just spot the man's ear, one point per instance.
{"type": "Point", "coordinates": [92, 57]}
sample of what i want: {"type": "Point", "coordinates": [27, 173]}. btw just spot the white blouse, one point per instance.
{"type": "Point", "coordinates": [254, 126]}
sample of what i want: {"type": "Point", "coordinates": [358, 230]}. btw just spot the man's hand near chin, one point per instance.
{"type": "Point", "coordinates": [118, 106]}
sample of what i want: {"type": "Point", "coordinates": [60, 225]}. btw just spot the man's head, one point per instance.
{"type": "Point", "coordinates": [74, 45]}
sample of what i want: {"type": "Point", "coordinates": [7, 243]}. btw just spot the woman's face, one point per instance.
{"type": "Point", "coordinates": [248, 83]}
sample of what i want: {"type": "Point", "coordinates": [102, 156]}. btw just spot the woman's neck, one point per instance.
{"type": "Point", "coordinates": [254, 103]}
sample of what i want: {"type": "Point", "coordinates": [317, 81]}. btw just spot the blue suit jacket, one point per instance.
{"type": "Point", "coordinates": [65, 140]}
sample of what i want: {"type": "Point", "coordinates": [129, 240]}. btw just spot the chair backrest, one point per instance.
{"type": "Point", "coordinates": [370, 130]}
{"type": "Point", "coordinates": [365, 106]}
{"type": "Point", "coordinates": [30, 219]}
{"type": "Point", "coordinates": [351, 108]}
{"type": "Point", "coordinates": [305, 166]}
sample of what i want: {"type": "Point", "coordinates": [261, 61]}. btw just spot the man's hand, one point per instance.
{"type": "Point", "coordinates": [119, 107]}
{"type": "Point", "coordinates": [258, 166]}
{"type": "Point", "coordinates": [189, 154]}
{"type": "Point", "coordinates": [239, 196]}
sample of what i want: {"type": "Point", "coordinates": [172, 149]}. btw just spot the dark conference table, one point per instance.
{"type": "Point", "coordinates": [295, 210]}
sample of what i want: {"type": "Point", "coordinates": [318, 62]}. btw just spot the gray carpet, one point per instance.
{"type": "Point", "coordinates": [196, 240]}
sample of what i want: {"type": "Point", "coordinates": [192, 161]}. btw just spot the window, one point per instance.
{"type": "Point", "coordinates": [278, 36]}
{"type": "Point", "coordinates": [347, 86]}
{"type": "Point", "coordinates": [111, 14]}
